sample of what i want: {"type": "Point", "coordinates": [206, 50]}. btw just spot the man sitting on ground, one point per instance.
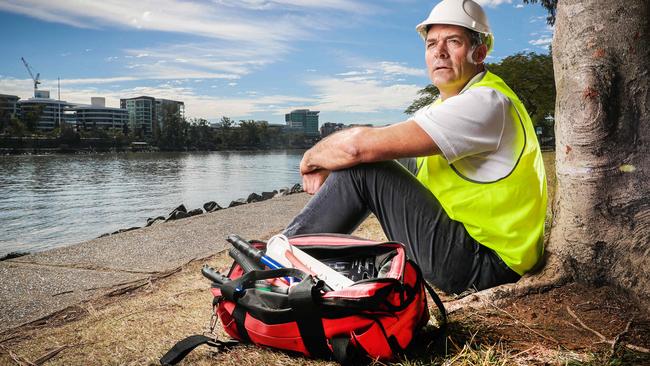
{"type": "Point", "coordinates": [470, 203]}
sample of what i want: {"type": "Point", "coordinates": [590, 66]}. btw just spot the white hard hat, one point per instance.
{"type": "Point", "coordinates": [465, 13]}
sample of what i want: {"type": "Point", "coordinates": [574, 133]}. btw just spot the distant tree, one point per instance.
{"type": "Point", "coordinates": [224, 137]}
{"type": "Point", "coordinates": [31, 116]}
{"type": "Point", "coordinates": [5, 115]}
{"type": "Point", "coordinates": [426, 96]}
{"type": "Point", "coordinates": [200, 135]}
{"type": "Point", "coordinates": [16, 127]}
{"type": "Point", "coordinates": [531, 76]}
{"type": "Point", "coordinates": [174, 133]}
{"type": "Point", "coordinates": [226, 123]}
{"type": "Point", "coordinates": [250, 133]}
{"type": "Point", "coordinates": [68, 136]}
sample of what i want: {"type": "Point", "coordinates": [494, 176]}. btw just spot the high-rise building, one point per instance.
{"type": "Point", "coordinates": [142, 113]}
{"type": "Point", "coordinates": [45, 113]}
{"type": "Point", "coordinates": [303, 120]}
{"type": "Point", "coordinates": [98, 116]}
{"type": "Point", "coordinates": [147, 114]}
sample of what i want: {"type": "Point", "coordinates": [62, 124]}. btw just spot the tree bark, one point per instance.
{"type": "Point", "coordinates": [601, 227]}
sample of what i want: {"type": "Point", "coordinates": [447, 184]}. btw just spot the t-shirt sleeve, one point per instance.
{"type": "Point", "coordinates": [466, 124]}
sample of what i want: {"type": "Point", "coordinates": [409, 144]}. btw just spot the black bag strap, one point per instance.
{"type": "Point", "coordinates": [303, 299]}
{"type": "Point", "coordinates": [185, 346]}
{"type": "Point", "coordinates": [440, 305]}
{"type": "Point", "coordinates": [234, 289]}
{"type": "Point", "coordinates": [345, 354]}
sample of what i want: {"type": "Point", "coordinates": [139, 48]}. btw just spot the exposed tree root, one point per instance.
{"type": "Point", "coordinates": [604, 339]}
{"type": "Point", "coordinates": [550, 276]}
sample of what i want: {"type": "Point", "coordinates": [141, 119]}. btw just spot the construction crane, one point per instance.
{"type": "Point", "coordinates": [38, 75]}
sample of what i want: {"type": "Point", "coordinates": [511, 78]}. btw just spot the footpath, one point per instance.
{"type": "Point", "coordinates": [37, 285]}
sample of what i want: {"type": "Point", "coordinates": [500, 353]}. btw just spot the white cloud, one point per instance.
{"type": "Point", "coordinates": [396, 68]}
{"type": "Point", "coordinates": [231, 62]}
{"type": "Point", "coordinates": [493, 3]}
{"type": "Point", "coordinates": [537, 19]}
{"type": "Point", "coordinates": [388, 70]}
{"type": "Point", "coordinates": [519, 6]}
{"type": "Point", "coordinates": [346, 5]}
{"type": "Point", "coordinates": [176, 16]}
{"type": "Point", "coordinates": [356, 73]}
{"type": "Point", "coordinates": [543, 42]}
{"type": "Point", "coordinates": [361, 96]}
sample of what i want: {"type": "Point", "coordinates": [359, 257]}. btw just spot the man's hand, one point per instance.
{"type": "Point", "coordinates": [312, 181]}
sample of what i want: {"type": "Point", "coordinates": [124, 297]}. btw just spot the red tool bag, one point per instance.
{"type": "Point", "coordinates": [376, 317]}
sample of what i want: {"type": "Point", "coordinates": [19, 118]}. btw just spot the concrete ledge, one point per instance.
{"type": "Point", "coordinates": [40, 284]}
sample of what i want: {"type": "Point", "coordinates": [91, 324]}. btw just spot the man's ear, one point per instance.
{"type": "Point", "coordinates": [479, 54]}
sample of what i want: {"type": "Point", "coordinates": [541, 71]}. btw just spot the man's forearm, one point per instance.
{"type": "Point", "coordinates": [358, 145]}
{"type": "Point", "coordinates": [337, 151]}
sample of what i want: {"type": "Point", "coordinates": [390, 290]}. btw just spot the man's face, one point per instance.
{"type": "Point", "coordinates": [447, 48]}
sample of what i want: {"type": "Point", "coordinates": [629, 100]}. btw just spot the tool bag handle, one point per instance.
{"type": "Point", "coordinates": [233, 290]}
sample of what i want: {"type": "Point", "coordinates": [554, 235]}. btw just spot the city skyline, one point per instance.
{"type": "Point", "coordinates": [354, 61]}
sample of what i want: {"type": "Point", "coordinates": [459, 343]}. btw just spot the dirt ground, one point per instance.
{"type": "Point", "coordinates": [571, 324]}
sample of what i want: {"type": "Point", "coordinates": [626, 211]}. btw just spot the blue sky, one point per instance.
{"type": "Point", "coordinates": [355, 61]}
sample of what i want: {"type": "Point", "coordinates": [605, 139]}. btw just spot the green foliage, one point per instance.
{"type": "Point", "coordinates": [174, 132]}
{"type": "Point", "coordinates": [31, 116]}
{"type": "Point", "coordinates": [530, 75]}
{"type": "Point", "coordinates": [426, 97]}
{"type": "Point", "coordinates": [69, 137]}
{"type": "Point", "coordinates": [178, 134]}
{"type": "Point", "coordinates": [16, 127]}
{"type": "Point", "coordinates": [550, 5]}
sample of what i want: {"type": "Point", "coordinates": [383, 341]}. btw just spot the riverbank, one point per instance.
{"type": "Point", "coordinates": [38, 285]}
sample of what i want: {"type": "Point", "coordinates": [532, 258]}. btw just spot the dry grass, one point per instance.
{"type": "Point", "coordinates": [137, 328]}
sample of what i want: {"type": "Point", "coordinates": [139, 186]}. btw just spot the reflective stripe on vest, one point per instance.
{"type": "Point", "coordinates": [506, 215]}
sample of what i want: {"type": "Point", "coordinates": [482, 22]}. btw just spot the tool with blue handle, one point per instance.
{"type": "Point", "coordinates": [256, 254]}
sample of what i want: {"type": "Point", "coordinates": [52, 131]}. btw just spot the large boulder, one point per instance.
{"type": "Point", "coordinates": [254, 197]}
{"type": "Point", "coordinates": [179, 212]}
{"type": "Point", "coordinates": [268, 195]}
{"type": "Point", "coordinates": [211, 206]}
{"type": "Point", "coordinates": [180, 208]}
{"type": "Point", "coordinates": [297, 188]}
{"type": "Point", "coordinates": [238, 202]}
{"type": "Point", "coordinates": [196, 211]}
{"type": "Point", "coordinates": [151, 221]}
{"type": "Point", "coordinates": [176, 215]}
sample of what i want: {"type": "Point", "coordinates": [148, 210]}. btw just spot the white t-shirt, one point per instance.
{"type": "Point", "coordinates": [475, 132]}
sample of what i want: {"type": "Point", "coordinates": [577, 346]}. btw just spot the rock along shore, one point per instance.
{"type": "Point", "coordinates": [40, 284]}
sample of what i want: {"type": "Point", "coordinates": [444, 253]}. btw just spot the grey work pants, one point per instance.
{"type": "Point", "coordinates": [408, 213]}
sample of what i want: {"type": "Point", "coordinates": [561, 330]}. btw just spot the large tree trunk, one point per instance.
{"type": "Point", "coordinates": [601, 227]}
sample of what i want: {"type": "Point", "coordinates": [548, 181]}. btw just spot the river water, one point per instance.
{"type": "Point", "coordinates": [53, 200]}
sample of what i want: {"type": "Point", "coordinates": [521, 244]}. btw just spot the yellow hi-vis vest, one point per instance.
{"type": "Point", "coordinates": [506, 215]}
